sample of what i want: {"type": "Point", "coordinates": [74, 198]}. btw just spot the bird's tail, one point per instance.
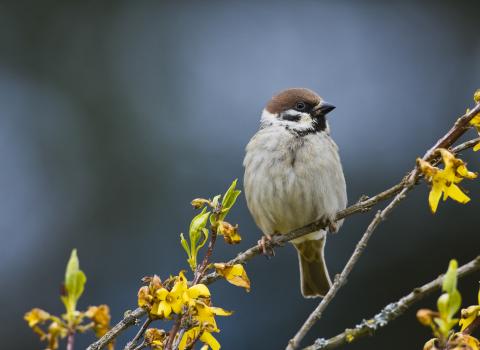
{"type": "Point", "coordinates": [314, 279]}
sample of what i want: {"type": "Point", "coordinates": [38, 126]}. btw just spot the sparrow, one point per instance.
{"type": "Point", "coordinates": [293, 177]}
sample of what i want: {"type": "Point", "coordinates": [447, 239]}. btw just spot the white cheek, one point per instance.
{"type": "Point", "coordinates": [270, 118]}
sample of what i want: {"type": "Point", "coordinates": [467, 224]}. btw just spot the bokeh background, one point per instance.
{"type": "Point", "coordinates": [115, 114]}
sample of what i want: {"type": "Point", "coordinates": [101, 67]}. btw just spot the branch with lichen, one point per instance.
{"type": "Point", "coordinates": [390, 312]}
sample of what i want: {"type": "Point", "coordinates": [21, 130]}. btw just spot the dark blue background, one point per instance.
{"type": "Point", "coordinates": [114, 115]}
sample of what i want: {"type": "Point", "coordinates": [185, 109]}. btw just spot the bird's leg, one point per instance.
{"type": "Point", "coordinates": [262, 243]}
{"type": "Point", "coordinates": [332, 225]}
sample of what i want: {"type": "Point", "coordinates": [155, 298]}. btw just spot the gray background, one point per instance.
{"type": "Point", "coordinates": [114, 115]}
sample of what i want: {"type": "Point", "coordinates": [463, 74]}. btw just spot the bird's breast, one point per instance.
{"type": "Point", "coordinates": [291, 181]}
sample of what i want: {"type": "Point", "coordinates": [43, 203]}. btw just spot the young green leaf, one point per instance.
{"type": "Point", "coordinates": [450, 279]}
{"type": "Point", "coordinates": [229, 199]}
{"type": "Point", "coordinates": [75, 281]}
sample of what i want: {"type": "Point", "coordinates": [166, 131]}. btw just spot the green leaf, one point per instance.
{"type": "Point", "coordinates": [215, 200]}
{"type": "Point", "coordinates": [442, 305]}
{"type": "Point", "coordinates": [229, 199]}
{"type": "Point", "coordinates": [184, 244]}
{"type": "Point", "coordinates": [450, 279]}
{"type": "Point", "coordinates": [198, 223]}
{"type": "Point", "coordinates": [205, 238]}
{"type": "Point", "coordinates": [454, 303]}
{"type": "Point", "coordinates": [75, 281]}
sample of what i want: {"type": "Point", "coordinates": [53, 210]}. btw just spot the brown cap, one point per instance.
{"type": "Point", "coordinates": [287, 99]}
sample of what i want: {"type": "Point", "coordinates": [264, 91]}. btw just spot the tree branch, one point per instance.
{"type": "Point", "coordinates": [131, 344]}
{"type": "Point", "coordinates": [461, 125]}
{"type": "Point", "coordinates": [390, 312]}
{"type": "Point", "coordinates": [362, 206]}
{"type": "Point", "coordinates": [130, 318]}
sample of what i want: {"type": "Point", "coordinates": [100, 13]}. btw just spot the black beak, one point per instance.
{"type": "Point", "coordinates": [323, 108]}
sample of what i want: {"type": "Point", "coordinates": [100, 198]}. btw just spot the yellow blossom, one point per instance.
{"type": "Point", "coordinates": [146, 294]}
{"type": "Point", "coordinates": [168, 301]}
{"type": "Point", "coordinates": [235, 274]}
{"type": "Point", "coordinates": [205, 315]}
{"type": "Point", "coordinates": [36, 316]}
{"type": "Point", "coordinates": [155, 338]}
{"type": "Point", "coordinates": [426, 316]}
{"type": "Point", "coordinates": [195, 292]}
{"type": "Point", "coordinates": [100, 315]}
{"type": "Point", "coordinates": [445, 180]}
{"type": "Point", "coordinates": [468, 316]}
{"type": "Point", "coordinates": [229, 232]}
{"type": "Point", "coordinates": [204, 335]}
{"type": "Point", "coordinates": [460, 341]}
{"type": "Point", "coordinates": [55, 332]}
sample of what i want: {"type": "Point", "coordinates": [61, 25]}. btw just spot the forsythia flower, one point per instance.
{"type": "Point", "coordinates": [469, 315]}
{"type": "Point", "coordinates": [36, 316]}
{"type": "Point", "coordinates": [235, 274]}
{"type": "Point", "coordinates": [476, 119]}
{"type": "Point", "coordinates": [460, 341]}
{"type": "Point", "coordinates": [445, 180]}
{"type": "Point", "coordinates": [229, 232]}
{"type": "Point", "coordinates": [100, 315]}
{"type": "Point", "coordinates": [205, 315]}
{"type": "Point", "coordinates": [204, 335]}
{"type": "Point", "coordinates": [146, 294]}
{"type": "Point", "coordinates": [161, 302]}
{"type": "Point", "coordinates": [168, 301]}
{"type": "Point", "coordinates": [155, 338]}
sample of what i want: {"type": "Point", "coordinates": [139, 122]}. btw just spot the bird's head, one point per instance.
{"type": "Point", "coordinates": [299, 110]}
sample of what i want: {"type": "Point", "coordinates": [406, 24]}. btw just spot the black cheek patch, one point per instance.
{"type": "Point", "coordinates": [292, 118]}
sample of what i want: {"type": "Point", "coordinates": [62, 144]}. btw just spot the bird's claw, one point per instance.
{"type": "Point", "coordinates": [263, 242]}
{"type": "Point", "coordinates": [332, 226]}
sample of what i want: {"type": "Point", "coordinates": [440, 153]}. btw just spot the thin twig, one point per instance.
{"type": "Point", "coordinates": [131, 344]}
{"type": "Point", "coordinates": [390, 312]}
{"type": "Point", "coordinates": [361, 206]}
{"type": "Point", "coordinates": [142, 345]}
{"type": "Point", "coordinates": [130, 318]}
{"type": "Point", "coordinates": [457, 130]}
{"type": "Point", "coordinates": [71, 340]}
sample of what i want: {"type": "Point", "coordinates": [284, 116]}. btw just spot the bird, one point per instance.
{"type": "Point", "coordinates": [294, 176]}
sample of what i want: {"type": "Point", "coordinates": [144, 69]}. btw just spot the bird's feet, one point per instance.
{"type": "Point", "coordinates": [263, 244]}
{"type": "Point", "coordinates": [332, 225]}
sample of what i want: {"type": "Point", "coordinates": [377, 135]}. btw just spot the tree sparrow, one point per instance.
{"type": "Point", "coordinates": [293, 176]}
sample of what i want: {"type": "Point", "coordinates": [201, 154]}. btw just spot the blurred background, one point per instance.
{"type": "Point", "coordinates": [115, 114]}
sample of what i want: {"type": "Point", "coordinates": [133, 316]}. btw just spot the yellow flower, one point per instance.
{"type": "Point", "coordinates": [229, 232]}
{"type": "Point", "coordinates": [445, 180]}
{"type": "Point", "coordinates": [235, 274]}
{"type": "Point", "coordinates": [195, 292]}
{"type": "Point", "coordinates": [205, 315]}
{"type": "Point", "coordinates": [476, 96]}
{"type": "Point", "coordinates": [36, 316]}
{"type": "Point", "coordinates": [100, 315]}
{"type": "Point", "coordinates": [146, 294]}
{"type": "Point", "coordinates": [426, 316]}
{"type": "Point", "coordinates": [468, 316]}
{"type": "Point", "coordinates": [168, 301]}
{"type": "Point", "coordinates": [204, 335]}
{"type": "Point", "coordinates": [155, 338]}
{"type": "Point", "coordinates": [460, 341]}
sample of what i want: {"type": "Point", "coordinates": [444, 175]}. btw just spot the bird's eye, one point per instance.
{"type": "Point", "coordinates": [300, 106]}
